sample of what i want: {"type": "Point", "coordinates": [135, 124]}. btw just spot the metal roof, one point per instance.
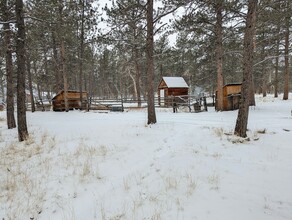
{"type": "Point", "coordinates": [175, 82]}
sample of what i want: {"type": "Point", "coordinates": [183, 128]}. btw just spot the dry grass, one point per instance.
{"type": "Point", "coordinates": [156, 215]}
{"type": "Point", "coordinates": [85, 162]}
{"type": "Point", "coordinates": [214, 181]}
{"type": "Point", "coordinates": [217, 155]}
{"type": "Point", "coordinates": [102, 151]}
{"type": "Point", "coordinates": [218, 132]}
{"type": "Point", "coordinates": [170, 183]}
{"type": "Point", "coordinates": [29, 168]}
{"type": "Point", "coordinates": [237, 140]}
{"type": "Point", "coordinates": [24, 167]}
{"type": "Point", "coordinates": [191, 185]}
{"type": "Point", "coordinates": [126, 184]}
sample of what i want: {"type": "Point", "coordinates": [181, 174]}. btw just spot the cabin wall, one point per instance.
{"type": "Point", "coordinates": [71, 95]}
{"type": "Point", "coordinates": [169, 92]}
{"type": "Point", "coordinates": [174, 91]}
{"type": "Point", "coordinates": [232, 102]}
{"type": "Point", "coordinates": [59, 97]}
{"type": "Point", "coordinates": [76, 95]}
{"type": "Point", "coordinates": [162, 85]}
{"type": "Point", "coordinates": [231, 97]}
{"type": "Point", "coordinates": [233, 89]}
{"type": "Point", "coordinates": [177, 91]}
{"type": "Point", "coordinates": [73, 101]}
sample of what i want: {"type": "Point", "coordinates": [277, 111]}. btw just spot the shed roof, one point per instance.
{"type": "Point", "coordinates": [175, 82]}
{"type": "Point", "coordinates": [69, 91]}
{"type": "Point", "coordinates": [233, 84]}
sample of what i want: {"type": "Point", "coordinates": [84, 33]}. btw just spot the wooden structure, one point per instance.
{"type": "Point", "coordinates": [231, 96]}
{"type": "Point", "coordinates": [115, 105]}
{"type": "Point", "coordinates": [170, 87]}
{"type": "Point", "coordinates": [73, 100]}
{"type": "Point", "coordinates": [43, 105]}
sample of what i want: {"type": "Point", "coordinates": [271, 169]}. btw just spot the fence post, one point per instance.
{"type": "Point", "coordinates": [122, 104]}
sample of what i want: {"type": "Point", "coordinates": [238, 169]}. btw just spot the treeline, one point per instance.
{"type": "Point", "coordinates": [112, 62]}
{"type": "Point", "coordinates": [108, 52]}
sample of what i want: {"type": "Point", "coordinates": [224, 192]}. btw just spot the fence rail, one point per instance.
{"type": "Point", "coordinates": [191, 102]}
{"type": "Point", "coordinates": [165, 102]}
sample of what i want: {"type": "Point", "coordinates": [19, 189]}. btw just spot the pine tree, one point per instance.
{"type": "Point", "coordinates": [248, 56]}
{"type": "Point", "coordinates": [5, 8]}
{"type": "Point", "coordinates": [150, 64]}
{"type": "Point", "coordinates": [20, 54]}
{"type": "Point", "coordinates": [287, 23]}
{"type": "Point", "coordinates": [126, 21]}
{"type": "Point", "coordinates": [210, 20]}
{"type": "Point", "coordinates": [219, 53]}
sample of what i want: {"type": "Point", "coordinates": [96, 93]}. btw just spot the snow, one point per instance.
{"type": "Point", "coordinates": [90, 165]}
{"type": "Point", "coordinates": [175, 82]}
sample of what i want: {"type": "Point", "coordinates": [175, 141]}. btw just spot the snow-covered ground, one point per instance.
{"type": "Point", "coordinates": [89, 165]}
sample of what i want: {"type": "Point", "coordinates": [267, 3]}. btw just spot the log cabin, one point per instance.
{"type": "Point", "coordinates": [170, 87]}
{"type": "Point", "coordinates": [58, 100]}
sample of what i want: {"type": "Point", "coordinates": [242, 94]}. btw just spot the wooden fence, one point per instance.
{"type": "Point", "coordinates": [193, 103]}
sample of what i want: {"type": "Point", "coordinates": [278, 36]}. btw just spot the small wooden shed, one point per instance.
{"type": "Point", "coordinates": [231, 96]}
{"type": "Point", "coordinates": [169, 87]}
{"type": "Point", "coordinates": [73, 100]}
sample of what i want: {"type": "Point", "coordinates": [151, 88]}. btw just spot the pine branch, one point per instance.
{"type": "Point", "coordinates": [8, 22]}
{"type": "Point", "coordinates": [165, 14]}
{"type": "Point", "coordinates": [38, 19]}
{"type": "Point", "coordinates": [27, 17]}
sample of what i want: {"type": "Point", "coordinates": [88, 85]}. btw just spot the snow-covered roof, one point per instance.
{"type": "Point", "coordinates": [175, 82]}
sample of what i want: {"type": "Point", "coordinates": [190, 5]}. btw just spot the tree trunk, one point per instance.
{"type": "Point", "coordinates": [90, 84]}
{"type": "Point", "coordinates": [49, 87]}
{"type": "Point", "coordinates": [263, 69]}
{"type": "Point", "coordinates": [2, 85]}
{"type": "Point", "coordinates": [64, 71]}
{"type": "Point", "coordinates": [9, 68]}
{"type": "Point", "coordinates": [219, 52]}
{"type": "Point", "coordinates": [58, 85]}
{"type": "Point", "coordinates": [81, 54]}
{"type": "Point", "coordinates": [135, 96]}
{"type": "Point", "coordinates": [286, 82]}
{"type": "Point", "coordinates": [248, 56]}
{"type": "Point", "coordinates": [276, 81]}
{"type": "Point", "coordinates": [264, 85]}
{"type": "Point", "coordinates": [62, 55]}
{"type": "Point", "coordinates": [137, 76]}
{"type": "Point", "coordinates": [30, 83]}
{"type": "Point", "coordinates": [150, 64]}
{"type": "Point", "coordinates": [39, 91]}
{"type": "Point", "coordinates": [20, 54]}
{"type": "Point", "coordinates": [252, 92]}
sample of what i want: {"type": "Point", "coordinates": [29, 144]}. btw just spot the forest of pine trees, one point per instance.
{"type": "Point", "coordinates": [122, 48]}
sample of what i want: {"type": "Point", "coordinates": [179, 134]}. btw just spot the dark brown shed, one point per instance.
{"type": "Point", "coordinates": [171, 86]}
{"type": "Point", "coordinates": [73, 100]}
